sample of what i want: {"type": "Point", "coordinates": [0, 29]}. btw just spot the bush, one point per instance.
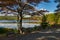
{"type": "Point", "coordinates": [7, 31]}
{"type": "Point", "coordinates": [28, 30]}
{"type": "Point", "coordinates": [35, 28]}
{"type": "Point", "coordinates": [3, 30]}
{"type": "Point", "coordinates": [44, 25]}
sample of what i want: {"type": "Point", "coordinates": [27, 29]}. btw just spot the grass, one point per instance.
{"type": "Point", "coordinates": [15, 18]}
{"type": "Point", "coordinates": [8, 17]}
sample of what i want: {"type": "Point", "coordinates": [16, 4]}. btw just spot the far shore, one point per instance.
{"type": "Point", "coordinates": [16, 23]}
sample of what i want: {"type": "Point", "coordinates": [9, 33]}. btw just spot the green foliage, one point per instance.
{"type": "Point", "coordinates": [57, 17]}
{"type": "Point", "coordinates": [50, 17]}
{"type": "Point", "coordinates": [44, 25]}
{"type": "Point", "coordinates": [3, 30]}
{"type": "Point", "coordinates": [15, 30]}
{"type": "Point", "coordinates": [6, 30]}
{"type": "Point", "coordinates": [28, 30]}
{"type": "Point", "coordinates": [59, 20]}
{"type": "Point", "coordinates": [35, 28]}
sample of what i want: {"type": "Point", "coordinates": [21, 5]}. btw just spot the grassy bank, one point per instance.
{"type": "Point", "coordinates": [15, 18]}
{"type": "Point", "coordinates": [8, 17]}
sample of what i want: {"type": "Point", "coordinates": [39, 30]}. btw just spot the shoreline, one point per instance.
{"type": "Point", "coordinates": [16, 23]}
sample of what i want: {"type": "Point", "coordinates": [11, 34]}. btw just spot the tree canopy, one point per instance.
{"type": "Point", "coordinates": [22, 5]}
{"type": "Point", "coordinates": [20, 2]}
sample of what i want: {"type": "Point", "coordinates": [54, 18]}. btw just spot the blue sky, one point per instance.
{"type": "Point", "coordinates": [49, 6]}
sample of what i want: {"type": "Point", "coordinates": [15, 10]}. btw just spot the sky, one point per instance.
{"type": "Point", "coordinates": [48, 6]}
{"type": "Point", "coordinates": [51, 6]}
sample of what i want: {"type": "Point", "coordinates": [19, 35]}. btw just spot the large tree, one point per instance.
{"type": "Point", "coordinates": [57, 14]}
{"type": "Point", "coordinates": [22, 5]}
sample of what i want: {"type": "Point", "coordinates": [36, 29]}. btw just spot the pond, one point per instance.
{"type": "Point", "coordinates": [14, 25]}
{"type": "Point", "coordinates": [3, 21]}
{"type": "Point", "coordinates": [14, 21]}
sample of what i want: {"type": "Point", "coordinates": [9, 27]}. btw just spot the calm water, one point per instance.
{"type": "Point", "coordinates": [14, 25]}
{"type": "Point", "coordinates": [24, 21]}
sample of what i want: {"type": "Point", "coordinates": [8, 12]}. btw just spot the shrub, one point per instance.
{"type": "Point", "coordinates": [27, 30]}
{"type": "Point", "coordinates": [3, 30]}
{"type": "Point", "coordinates": [44, 25]}
{"type": "Point", "coordinates": [7, 31]}
{"type": "Point", "coordinates": [35, 28]}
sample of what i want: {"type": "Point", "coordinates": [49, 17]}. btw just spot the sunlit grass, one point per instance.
{"type": "Point", "coordinates": [8, 17]}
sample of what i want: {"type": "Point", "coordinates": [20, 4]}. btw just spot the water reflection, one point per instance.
{"type": "Point", "coordinates": [13, 21]}
{"type": "Point", "coordinates": [14, 25]}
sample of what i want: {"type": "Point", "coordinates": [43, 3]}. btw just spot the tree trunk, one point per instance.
{"type": "Point", "coordinates": [19, 20]}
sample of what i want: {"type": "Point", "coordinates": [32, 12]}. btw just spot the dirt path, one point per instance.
{"type": "Point", "coordinates": [34, 36]}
